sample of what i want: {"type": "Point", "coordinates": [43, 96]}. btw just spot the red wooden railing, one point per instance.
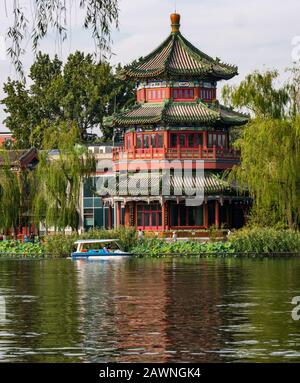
{"type": "Point", "coordinates": [119, 153]}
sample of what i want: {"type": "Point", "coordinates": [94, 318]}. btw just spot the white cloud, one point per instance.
{"type": "Point", "coordinates": [253, 34]}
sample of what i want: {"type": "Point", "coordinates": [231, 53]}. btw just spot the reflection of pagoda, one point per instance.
{"type": "Point", "coordinates": [177, 117]}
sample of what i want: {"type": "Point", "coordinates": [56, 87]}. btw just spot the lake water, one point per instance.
{"type": "Point", "coordinates": [151, 310]}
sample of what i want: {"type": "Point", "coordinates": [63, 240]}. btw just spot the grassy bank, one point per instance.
{"type": "Point", "coordinates": [242, 242]}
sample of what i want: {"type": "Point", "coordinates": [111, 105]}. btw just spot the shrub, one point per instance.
{"type": "Point", "coordinates": [265, 240]}
{"type": "Point", "coordinates": [157, 247]}
{"type": "Point", "coordinates": [62, 245]}
{"type": "Point", "coordinates": [17, 248]}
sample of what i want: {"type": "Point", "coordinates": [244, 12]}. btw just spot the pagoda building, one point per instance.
{"type": "Point", "coordinates": [177, 118]}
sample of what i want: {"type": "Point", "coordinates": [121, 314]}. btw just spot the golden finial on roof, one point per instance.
{"type": "Point", "coordinates": [175, 22]}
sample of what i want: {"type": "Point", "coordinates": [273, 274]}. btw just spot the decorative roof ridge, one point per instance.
{"type": "Point", "coordinates": [197, 52]}
{"type": "Point", "coordinates": [188, 46]}
{"type": "Point", "coordinates": [167, 61]}
{"type": "Point", "coordinates": [142, 59]}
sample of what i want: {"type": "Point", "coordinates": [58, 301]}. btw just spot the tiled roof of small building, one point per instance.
{"type": "Point", "coordinates": [177, 57]}
{"type": "Point", "coordinates": [179, 112]}
{"type": "Point", "coordinates": [145, 183]}
{"type": "Point", "coordinates": [17, 157]}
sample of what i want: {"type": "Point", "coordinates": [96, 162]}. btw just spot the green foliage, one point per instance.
{"type": "Point", "coordinates": [293, 86]}
{"type": "Point", "coordinates": [158, 248]}
{"type": "Point", "coordinates": [17, 248]}
{"type": "Point", "coordinates": [242, 242]}
{"type": "Point", "coordinates": [270, 169]}
{"type": "Point", "coordinates": [259, 94]}
{"type": "Point", "coordinates": [10, 195]}
{"type": "Point", "coordinates": [59, 177]}
{"type": "Point", "coordinates": [270, 147]}
{"type": "Point", "coordinates": [247, 241]}
{"type": "Point", "coordinates": [61, 245]}
{"type": "Point", "coordinates": [81, 92]}
{"type": "Point", "coordinates": [265, 240]}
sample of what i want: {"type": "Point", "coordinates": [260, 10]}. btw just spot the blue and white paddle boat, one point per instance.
{"type": "Point", "coordinates": [101, 249]}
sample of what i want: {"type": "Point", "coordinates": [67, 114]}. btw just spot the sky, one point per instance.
{"type": "Point", "coordinates": [256, 34]}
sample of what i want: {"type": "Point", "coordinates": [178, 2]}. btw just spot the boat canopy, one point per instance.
{"type": "Point", "coordinates": [83, 241]}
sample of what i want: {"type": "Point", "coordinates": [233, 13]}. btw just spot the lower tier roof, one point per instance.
{"type": "Point", "coordinates": [146, 184]}
{"type": "Point", "coordinates": [172, 112]}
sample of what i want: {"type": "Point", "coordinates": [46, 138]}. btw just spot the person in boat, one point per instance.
{"type": "Point", "coordinates": [104, 250]}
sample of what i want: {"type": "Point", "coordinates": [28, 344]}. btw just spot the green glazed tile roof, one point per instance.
{"type": "Point", "coordinates": [179, 113]}
{"type": "Point", "coordinates": [194, 112]}
{"type": "Point", "coordinates": [140, 184]}
{"type": "Point", "coordinates": [230, 117]}
{"type": "Point", "coordinates": [141, 114]}
{"type": "Point", "coordinates": [177, 57]}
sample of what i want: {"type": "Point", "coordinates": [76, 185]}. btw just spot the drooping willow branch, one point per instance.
{"type": "Point", "coordinates": [99, 16]}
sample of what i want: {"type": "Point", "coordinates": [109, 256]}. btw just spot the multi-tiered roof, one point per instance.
{"type": "Point", "coordinates": [176, 59]}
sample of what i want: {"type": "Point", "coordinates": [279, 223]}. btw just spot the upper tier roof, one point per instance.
{"type": "Point", "coordinates": [176, 57]}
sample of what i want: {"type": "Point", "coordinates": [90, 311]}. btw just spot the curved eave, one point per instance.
{"type": "Point", "coordinates": [163, 56]}
{"type": "Point", "coordinates": [136, 121]}
{"type": "Point", "coordinates": [170, 113]}
{"type": "Point", "coordinates": [171, 73]}
{"type": "Point", "coordinates": [238, 121]}
{"type": "Point", "coordinates": [230, 117]}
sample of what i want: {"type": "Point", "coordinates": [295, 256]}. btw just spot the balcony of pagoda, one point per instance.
{"type": "Point", "coordinates": [177, 153]}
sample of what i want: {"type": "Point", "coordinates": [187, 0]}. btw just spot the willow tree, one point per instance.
{"type": "Point", "coordinates": [270, 148]}
{"type": "Point", "coordinates": [59, 175]}
{"type": "Point", "coordinates": [269, 170]}
{"type": "Point", "coordinates": [259, 94]}
{"type": "Point", "coordinates": [42, 17]}
{"type": "Point", "coordinates": [10, 195]}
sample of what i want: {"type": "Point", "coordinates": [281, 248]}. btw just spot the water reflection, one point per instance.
{"type": "Point", "coordinates": [149, 310]}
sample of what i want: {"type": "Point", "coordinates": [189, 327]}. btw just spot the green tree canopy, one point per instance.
{"type": "Point", "coordinates": [59, 175]}
{"type": "Point", "coordinates": [258, 93]}
{"type": "Point", "coordinates": [10, 195]}
{"type": "Point", "coordinates": [15, 200]}
{"type": "Point", "coordinates": [82, 91]}
{"type": "Point", "coordinates": [270, 147]}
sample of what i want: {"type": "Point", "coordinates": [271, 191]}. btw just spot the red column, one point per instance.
{"type": "Point", "coordinates": [168, 93]}
{"type": "Point", "coordinates": [166, 139]}
{"type": "Point", "coordinates": [163, 213]}
{"type": "Point", "coordinates": [127, 216]}
{"type": "Point", "coordinates": [118, 215]}
{"type": "Point", "coordinates": [110, 217]}
{"type": "Point", "coordinates": [217, 223]}
{"type": "Point", "coordinates": [205, 139]}
{"type": "Point", "coordinates": [196, 93]}
{"type": "Point", "coordinates": [205, 213]}
{"type": "Point", "coordinates": [165, 216]}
